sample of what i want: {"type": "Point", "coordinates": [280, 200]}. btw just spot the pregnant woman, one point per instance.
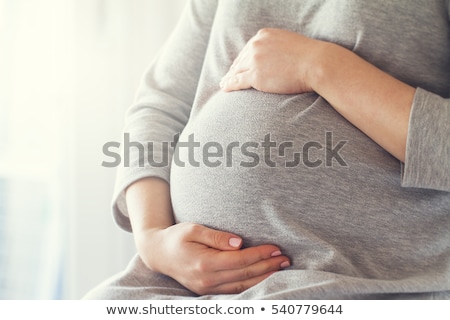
{"type": "Point", "coordinates": [312, 157]}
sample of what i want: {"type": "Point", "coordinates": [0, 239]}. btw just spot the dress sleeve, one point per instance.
{"type": "Point", "coordinates": [163, 103]}
{"type": "Point", "coordinates": [427, 163]}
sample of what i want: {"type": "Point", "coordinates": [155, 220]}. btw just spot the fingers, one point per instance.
{"type": "Point", "coordinates": [236, 81]}
{"type": "Point", "coordinates": [219, 240]}
{"type": "Point", "coordinates": [239, 279]}
{"type": "Point", "coordinates": [238, 76]}
{"type": "Point", "coordinates": [223, 242]}
{"type": "Point", "coordinates": [247, 257]}
{"type": "Point", "coordinates": [273, 61]}
{"type": "Point", "coordinates": [211, 261]}
{"type": "Point", "coordinates": [239, 64]}
{"type": "Point", "coordinates": [232, 287]}
{"type": "Point", "coordinates": [256, 269]}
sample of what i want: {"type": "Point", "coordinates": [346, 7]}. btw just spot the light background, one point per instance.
{"type": "Point", "coordinates": [68, 71]}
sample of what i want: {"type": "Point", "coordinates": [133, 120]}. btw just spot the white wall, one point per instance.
{"type": "Point", "coordinates": [72, 67]}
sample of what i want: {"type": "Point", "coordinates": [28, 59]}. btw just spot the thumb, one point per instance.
{"type": "Point", "coordinates": [216, 239]}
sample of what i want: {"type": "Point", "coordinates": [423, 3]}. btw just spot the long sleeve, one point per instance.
{"type": "Point", "coordinates": [350, 230]}
{"type": "Point", "coordinates": [163, 103]}
{"type": "Point", "coordinates": [427, 162]}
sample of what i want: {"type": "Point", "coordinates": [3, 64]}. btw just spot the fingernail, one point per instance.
{"type": "Point", "coordinates": [285, 264]}
{"type": "Point", "coordinates": [234, 242]}
{"type": "Point", "coordinates": [276, 254]}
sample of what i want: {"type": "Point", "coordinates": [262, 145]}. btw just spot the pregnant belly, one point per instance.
{"type": "Point", "coordinates": [245, 153]}
{"type": "Point", "coordinates": [228, 159]}
{"type": "Point", "coordinates": [289, 170]}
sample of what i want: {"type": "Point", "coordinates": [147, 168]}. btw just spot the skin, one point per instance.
{"type": "Point", "coordinates": [208, 261]}
{"type": "Point", "coordinates": [280, 61]}
{"type": "Point", "coordinates": [204, 260]}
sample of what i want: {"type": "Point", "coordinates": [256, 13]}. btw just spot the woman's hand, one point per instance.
{"type": "Point", "coordinates": [204, 260]}
{"type": "Point", "coordinates": [284, 62]}
{"type": "Point", "coordinates": [275, 61]}
{"type": "Point", "coordinates": [207, 261]}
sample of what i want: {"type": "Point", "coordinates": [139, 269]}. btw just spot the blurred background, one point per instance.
{"type": "Point", "coordinates": [68, 71]}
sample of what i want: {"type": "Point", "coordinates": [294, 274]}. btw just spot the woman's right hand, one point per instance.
{"type": "Point", "coordinates": [207, 261]}
{"type": "Point", "coordinates": [204, 260]}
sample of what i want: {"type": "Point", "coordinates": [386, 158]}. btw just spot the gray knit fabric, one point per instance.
{"type": "Point", "coordinates": [355, 222]}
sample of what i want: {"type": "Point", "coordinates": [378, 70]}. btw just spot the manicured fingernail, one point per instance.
{"type": "Point", "coordinates": [235, 242]}
{"type": "Point", "coordinates": [276, 254]}
{"type": "Point", "coordinates": [285, 264]}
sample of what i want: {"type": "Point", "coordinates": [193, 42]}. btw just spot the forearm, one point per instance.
{"type": "Point", "coordinates": [373, 101]}
{"type": "Point", "coordinates": [149, 205]}
{"type": "Point", "coordinates": [280, 61]}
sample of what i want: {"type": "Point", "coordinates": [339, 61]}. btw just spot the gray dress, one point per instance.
{"type": "Point", "coordinates": [288, 169]}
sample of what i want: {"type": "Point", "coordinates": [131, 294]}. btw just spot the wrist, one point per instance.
{"type": "Point", "coordinates": [148, 245]}
{"type": "Point", "coordinates": [327, 57]}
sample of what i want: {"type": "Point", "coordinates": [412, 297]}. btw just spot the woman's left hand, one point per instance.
{"type": "Point", "coordinates": [284, 62]}
{"type": "Point", "coordinates": [274, 61]}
